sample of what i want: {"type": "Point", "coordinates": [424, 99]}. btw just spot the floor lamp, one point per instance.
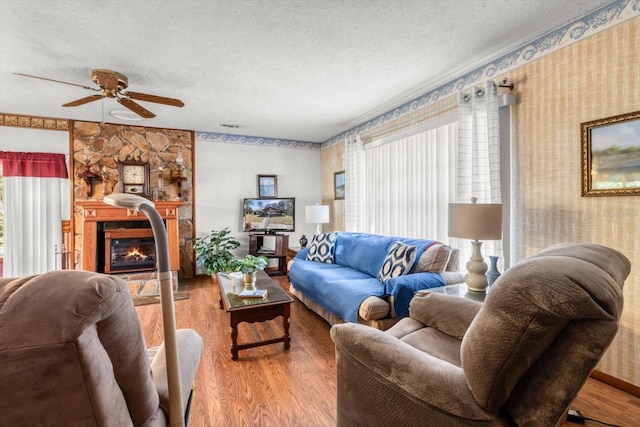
{"type": "Point", "coordinates": [478, 222]}
{"type": "Point", "coordinates": [140, 204]}
{"type": "Point", "coordinates": [318, 215]}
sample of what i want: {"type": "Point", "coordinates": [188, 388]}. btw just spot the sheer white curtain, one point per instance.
{"type": "Point", "coordinates": [409, 183]}
{"type": "Point", "coordinates": [478, 157]}
{"type": "Point", "coordinates": [36, 191]}
{"type": "Point", "coordinates": [354, 174]}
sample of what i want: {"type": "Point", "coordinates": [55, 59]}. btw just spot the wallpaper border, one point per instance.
{"type": "Point", "coordinates": [256, 140]}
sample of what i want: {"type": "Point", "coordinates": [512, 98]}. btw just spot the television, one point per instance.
{"type": "Point", "coordinates": [269, 215]}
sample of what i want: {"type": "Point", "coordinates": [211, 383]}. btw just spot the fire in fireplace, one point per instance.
{"type": "Point", "coordinates": [129, 250]}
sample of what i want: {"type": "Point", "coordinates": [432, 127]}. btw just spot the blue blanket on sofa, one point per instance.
{"type": "Point", "coordinates": [341, 287]}
{"type": "Point", "coordinates": [339, 290]}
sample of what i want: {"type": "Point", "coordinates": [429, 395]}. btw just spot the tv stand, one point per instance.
{"type": "Point", "coordinates": [276, 251]}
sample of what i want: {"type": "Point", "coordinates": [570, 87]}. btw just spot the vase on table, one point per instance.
{"type": "Point", "coordinates": [493, 273]}
{"type": "Point", "coordinates": [249, 279]}
{"type": "Point", "coordinates": [303, 241]}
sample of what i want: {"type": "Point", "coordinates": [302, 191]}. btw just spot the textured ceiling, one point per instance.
{"type": "Point", "coordinates": [304, 70]}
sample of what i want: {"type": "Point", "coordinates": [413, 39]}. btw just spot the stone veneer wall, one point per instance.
{"type": "Point", "coordinates": [104, 145]}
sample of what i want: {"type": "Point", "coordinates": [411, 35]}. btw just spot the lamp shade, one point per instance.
{"type": "Point", "coordinates": [476, 221]}
{"type": "Point", "coordinates": [316, 214]}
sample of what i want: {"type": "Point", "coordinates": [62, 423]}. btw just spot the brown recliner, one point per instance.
{"type": "Point", "coordinates": [72, 353]}
{"type": "Point", "coordinates": [518, 359]}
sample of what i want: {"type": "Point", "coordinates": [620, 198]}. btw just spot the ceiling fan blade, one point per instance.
{"type": "Point", "coordinates": [136, 108]}
{"type": "Point", "coordinates": [154, 98]}
{"type": "Point", "coordinates": [56, 81]}
{"type": "Point", "coordinates": [82, 101]}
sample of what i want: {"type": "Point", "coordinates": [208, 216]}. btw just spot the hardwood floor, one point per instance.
{"type": "Point", "coordinates": [268, 386]}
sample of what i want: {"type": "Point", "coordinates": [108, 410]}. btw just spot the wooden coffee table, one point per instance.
{"type": "Point", "coordinates": [251, 310]}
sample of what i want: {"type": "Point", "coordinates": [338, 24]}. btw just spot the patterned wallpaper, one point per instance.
{"type": "Point", "coordinates": [596, 78]}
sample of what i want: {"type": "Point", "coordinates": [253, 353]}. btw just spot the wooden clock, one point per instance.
{"type": "Point", "coordinates": [133, 177]}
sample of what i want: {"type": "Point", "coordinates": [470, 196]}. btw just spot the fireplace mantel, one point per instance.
{"type": "Point", "coordinates": [94, 211]}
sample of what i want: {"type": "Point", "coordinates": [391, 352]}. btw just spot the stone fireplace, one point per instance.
{"type": "Point", "coordinates": [99, 148]}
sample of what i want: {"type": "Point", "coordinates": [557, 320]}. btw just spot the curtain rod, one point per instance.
{"type": "Point", "coordinates": [421, 116]}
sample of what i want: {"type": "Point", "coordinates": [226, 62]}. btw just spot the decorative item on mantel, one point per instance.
{"type": "Point", "coordinates": [88, 175]}
{"type": "Point", "coordinates": [160, 188]}
{"type": "Point", "coordinates": [176, 176]}
{"type": "Point", "coordinates": [104, 175]}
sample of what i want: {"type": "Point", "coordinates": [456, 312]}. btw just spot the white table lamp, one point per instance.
{"type": "Point", "coordinates": [318, 215]}
{"type": "Point", "coordinates": [476, 221]}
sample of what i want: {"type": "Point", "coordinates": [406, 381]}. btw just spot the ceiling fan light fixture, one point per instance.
{"type": "Point", "coordinates": [126, 115]}
{"type": "Point", "coordinates": [111, 85]}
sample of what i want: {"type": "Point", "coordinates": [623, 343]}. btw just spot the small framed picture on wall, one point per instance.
{"type": "Point", "coordinates": [267, 186]}
{"type": "Point", "coordinates": [338, 185]}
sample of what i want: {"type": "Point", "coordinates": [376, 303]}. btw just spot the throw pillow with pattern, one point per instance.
{"type": "Point", "coordinates": [434, 259]}
{"type": "Point", "coordinates": [322, 248]}
{"type": "Point", "coordinates": [398, 261]}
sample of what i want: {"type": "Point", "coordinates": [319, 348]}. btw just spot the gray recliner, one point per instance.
{"type": "Point", "coordinates": [72, 353]}
{"type": "Point", "coordinates": [518, 359]}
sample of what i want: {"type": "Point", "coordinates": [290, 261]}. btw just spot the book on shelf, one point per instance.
{"type": "Point", "coordinates": [253, 293]}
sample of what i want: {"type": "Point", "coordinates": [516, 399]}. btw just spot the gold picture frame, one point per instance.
{"type": "Point", "coordinates": [267, 186]}
{"type": "Point", "coordinates": [611, 156]}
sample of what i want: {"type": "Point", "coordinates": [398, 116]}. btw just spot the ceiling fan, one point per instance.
{"type": "Point", "coordinates": [112, 85]}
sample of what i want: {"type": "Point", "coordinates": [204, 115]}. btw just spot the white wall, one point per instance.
{"type": "Point", "coordinates": [226, 173]}
{"type": "Point", "coordinates": [33, 140]}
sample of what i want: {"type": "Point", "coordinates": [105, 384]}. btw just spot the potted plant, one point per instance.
{"type": "Point", "coordinates": [213, 251]}
{"type": "Point", "coordinates": [249, 265]}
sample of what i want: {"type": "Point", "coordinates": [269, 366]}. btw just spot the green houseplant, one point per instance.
{"type": "Point", "coordinates": [213, 251]}
{"type": "Point", "coordinates": [249, 265]}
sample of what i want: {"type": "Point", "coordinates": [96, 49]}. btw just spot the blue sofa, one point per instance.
{"type": "Point", "coordinates": [348, 287]}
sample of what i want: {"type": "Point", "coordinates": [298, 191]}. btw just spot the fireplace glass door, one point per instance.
{"type": "Point", "coordinates": [129, 250]}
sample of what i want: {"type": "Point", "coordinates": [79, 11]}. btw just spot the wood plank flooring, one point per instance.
{"type": "Point", "coordinates": [268, 386]}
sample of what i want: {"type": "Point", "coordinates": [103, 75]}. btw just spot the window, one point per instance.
{"type": "Point", "coordinates": [410, 181]}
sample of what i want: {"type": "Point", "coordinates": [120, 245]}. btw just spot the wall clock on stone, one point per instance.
{"type": "Point", "coordinates": [133, 177]}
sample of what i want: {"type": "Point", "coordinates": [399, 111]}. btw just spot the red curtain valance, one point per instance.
{"type": "Point", "coordinates": [41, 165]}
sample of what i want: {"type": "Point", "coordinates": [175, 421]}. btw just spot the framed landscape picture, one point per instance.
{"type": "Point", "coordinates": [338, 185]}
{"type": "Point", "coordinates": [267, 186]}
{"type": "Point", "coordinates": [611, 156]}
